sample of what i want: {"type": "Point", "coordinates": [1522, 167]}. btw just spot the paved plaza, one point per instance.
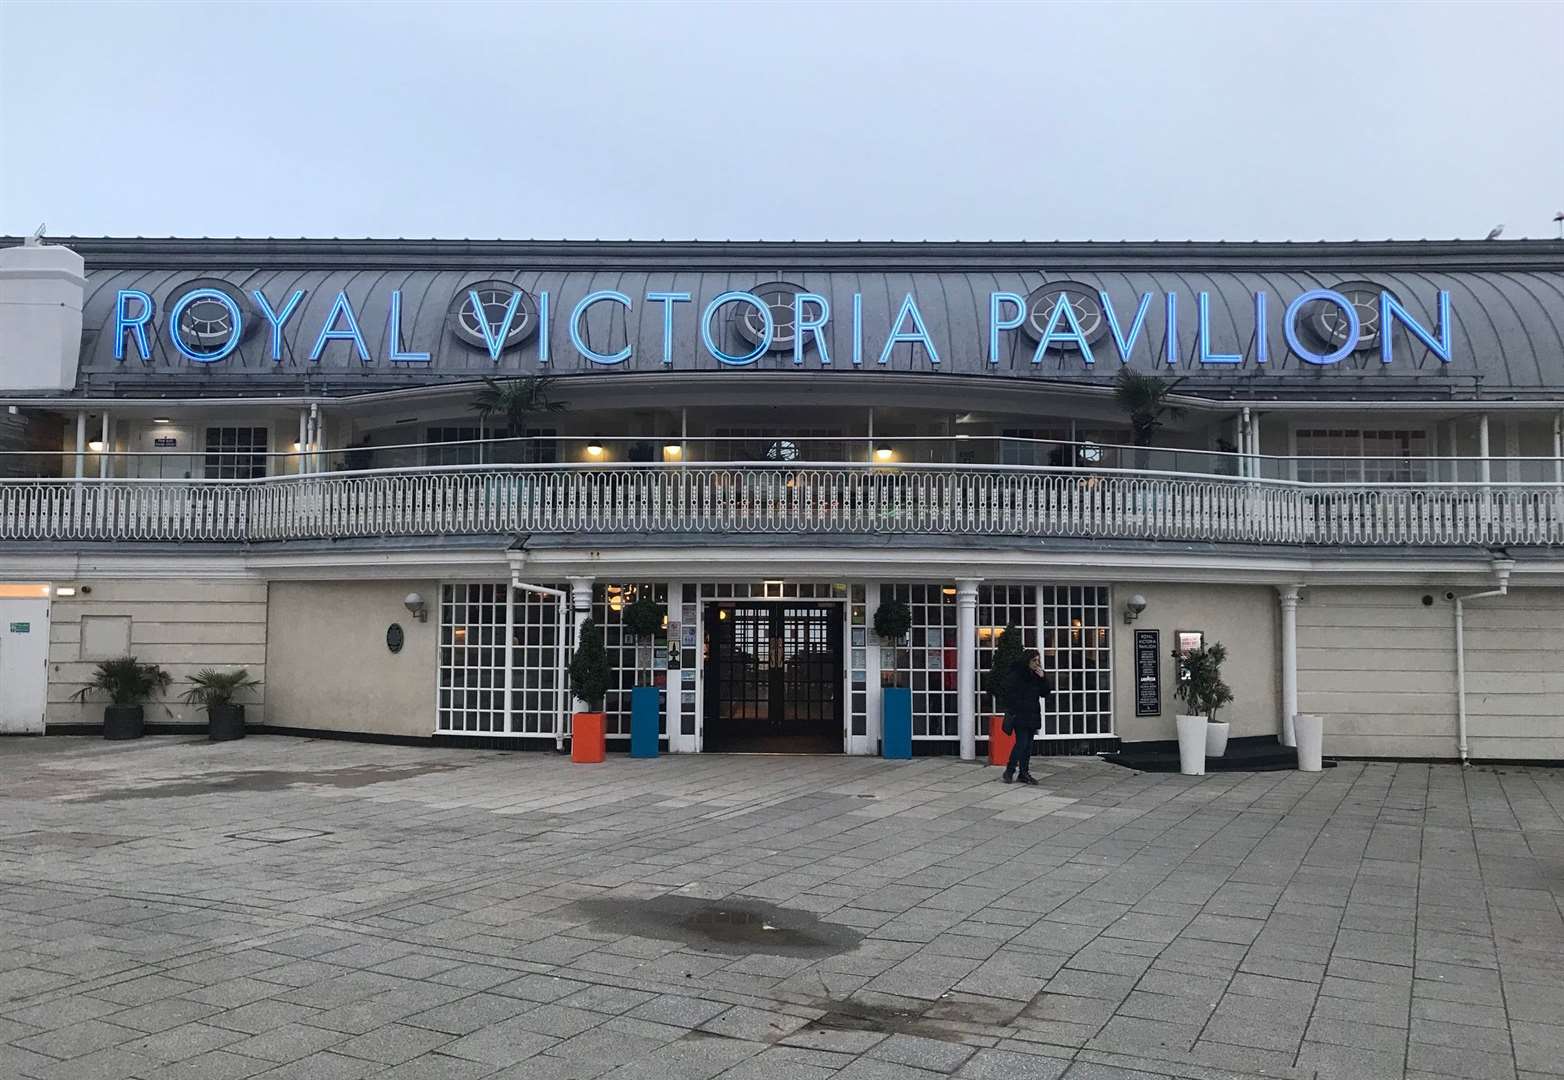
{"type": "Point", "coordinates": [302, 909]}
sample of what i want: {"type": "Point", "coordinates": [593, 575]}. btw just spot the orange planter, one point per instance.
{"type": "Point", "coordinates": [586, 737]}
{"type": "Point", "coordinates": [999, 744]}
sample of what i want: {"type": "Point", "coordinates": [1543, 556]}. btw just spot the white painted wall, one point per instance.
{"type": "Point", "coordinates": [329, 664]}
{"type": "Point", "coordinates": [41, 289]}
{"type": "Point", "coordinates": [1379, 666]}
{"type": "Point", "coordinates": [182, 624]}
{"type": "Point", "coordinates": [1242, 617]}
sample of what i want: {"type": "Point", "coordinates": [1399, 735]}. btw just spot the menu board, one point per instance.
{"type": "Point", "coordinates": [1148, 673]}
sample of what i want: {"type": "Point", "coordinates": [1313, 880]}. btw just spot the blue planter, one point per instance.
{"type": "Point", "coordinates": [645, 720]}
{"type": "Point", "coordinates": [896, 722]}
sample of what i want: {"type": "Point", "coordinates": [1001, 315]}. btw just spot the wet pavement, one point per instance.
{"type": "Point", "coordinates": [300, 909]}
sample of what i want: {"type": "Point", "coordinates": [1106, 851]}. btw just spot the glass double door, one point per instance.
{"type": "Point", "coordinates": [774, 677]}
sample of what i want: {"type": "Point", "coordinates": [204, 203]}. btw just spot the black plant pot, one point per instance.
{"type": "Point", "coordinates": [224, 722]}
{"type": "Point", "coordinates": [122, 722]}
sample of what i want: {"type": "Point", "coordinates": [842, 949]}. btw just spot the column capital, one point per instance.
{"type": "Point", "coordinates": [967, 588]}
{"type": "Point", "coordinates": [1289, 594]}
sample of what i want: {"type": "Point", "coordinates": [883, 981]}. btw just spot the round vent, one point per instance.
{"type": "Point", "coordinates": [494, 298]}
{"type": "Point", "coordinates": [206, 323]}
{"type": "Point", "coordinates": [1327, 323]}
{"type": "Point", "coordinates": [778, 296]}
{"type": "Point", "coordinates": [1040, 304]}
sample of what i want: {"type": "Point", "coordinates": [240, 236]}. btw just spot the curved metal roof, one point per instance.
{"type": "Point", "coordinates": [1507, 302]}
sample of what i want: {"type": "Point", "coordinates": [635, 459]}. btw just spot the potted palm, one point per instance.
{"type": "Point", "coordinates": [589, 680]}
{"type": "Point", "coordinates": [129, 685]}
{"type": "Point", "coordinates": [215, 691]}
{"type": "Point", "coordinates": [643, 619]}
{"type": "Point", "coordinates": [514, 401]}
{"type": "Point", "coordinates": [892, 620]}
{"type": "Point", "coordinates": [1202, 690]}
{"type": "Point", "coordinates": [1009, 654]}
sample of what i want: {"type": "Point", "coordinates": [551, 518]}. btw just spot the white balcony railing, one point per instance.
{"type": "Point", "coordinates": [924, 500]}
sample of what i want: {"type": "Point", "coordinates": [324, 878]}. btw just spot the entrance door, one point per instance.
{"type": "Point", "coordinates": [24, 648]}
{"type": "Point", "coordinates": [774, 677]}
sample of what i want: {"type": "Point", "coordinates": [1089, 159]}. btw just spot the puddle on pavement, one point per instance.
{"type": "Point", "coordinates": [943, 1019]}
{"type": "Point", "coordinates": [353, 776]}
{"type": "Point", "coordinates": [739, 927]}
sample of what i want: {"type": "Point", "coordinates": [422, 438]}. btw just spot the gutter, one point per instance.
{"type": "Point", "coordinates": [1502, 565]}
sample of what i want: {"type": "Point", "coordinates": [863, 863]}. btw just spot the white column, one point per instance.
{"type": "Point", "coordinates": [966, 666]}
{"type": "Point", "coordinates": [1487, 474]}
{"type": "Point", "coordinates": [104, 435]}
{"type": "Point", "coordinates": [1256, 465]}
{"type": "Point", "coordinates": [873, 699]}
{"type": "Point", "coordinates": [81, 445]}
{"type": "Point", "coordinates": [674, 679]}
{"type": "Point", "coordinates": [581, 608]}
{"type": "Point", "coordinates": [304, 442]}
{"type": "Point", "coordinates": [1289, 600]}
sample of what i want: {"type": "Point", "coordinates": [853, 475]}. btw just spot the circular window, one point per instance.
{"type": "Point", "coordinates": [1328, 323]}
{"type": "Point", "coordinates": [778, 296]}
{"type": "Point", "coordinates": [782, 450]}
{"type": "Point", "coordinates": [494, 299]}
{"type": "Point", "coordinates": [1083, 302]}
{"type": "Point", "coordinates": [206, 323]}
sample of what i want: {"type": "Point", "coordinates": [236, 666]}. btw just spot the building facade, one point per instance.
{"type": "Point", "coordinates": [275, 454]}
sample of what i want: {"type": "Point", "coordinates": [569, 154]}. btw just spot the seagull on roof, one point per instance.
{"type": "Point", "coordinates": [1495, 232]}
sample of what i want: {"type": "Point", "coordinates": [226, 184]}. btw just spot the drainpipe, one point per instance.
{"type": "Point", "coordinates": [1501, 569]}
{"type": "Point", "coordinates": [314, 444]}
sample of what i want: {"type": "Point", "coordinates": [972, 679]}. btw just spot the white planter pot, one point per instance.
{"type": "Point", "coordinates": [1192, 745]}
{"type": "Point", "coordinates": [1310, 729]}
{"type": "Point", "coordinates": [1216, 738]}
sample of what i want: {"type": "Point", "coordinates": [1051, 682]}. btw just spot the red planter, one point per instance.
{"type": "Point", "coordinates": [586, 737]}
{"type": "Point", "coordinates": [999, 744]}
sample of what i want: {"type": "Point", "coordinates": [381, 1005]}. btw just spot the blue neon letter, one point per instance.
{"type": "Point", "coordinates": [767, 324]}
{"type": "Point", "coordinates": [341, 308]}
{"type": "Point", "coordinates": [1172, 299]}
{"type": "Point", "coordinates": [136, 324]}
{"type": "Point", "coordinates": [1124, 344]}
{"type": "Point", "coordinates": [396, 355]}
{"type": "Point", "coordinates": [1262, 340]}
{"type": "Point", "coordinates": [1206, 355]}
{"type": "Point", "coordinates": [919, 334]}
{"type": "Point", "coordinates": [575, 327]}
{"type": "Point", "coordinates": [494, 337]}
{"type": "Point", "coordinates": [277, 318]}
{"type": "Point", "coordinates": [803, 325]}
{"type": "Point", "coordinates": [857, 329]}
{"type": "Point", "coordinates": [1052, 333]}
{"type": "Point", "coordinates": [1290, 327]}
{"type": "Point", "coordinates": [1389, 309]}
{"type": "Point", "coordinates": [235, 327]}
{"type": "Point", "coordinates": [996, 322]}
{"type": "Point", "coordinates": [668, 299]}
{"type": "Point", "coordinates": [542, 327]}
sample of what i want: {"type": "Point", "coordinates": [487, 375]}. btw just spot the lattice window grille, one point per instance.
{"type": "Point", "coordinates": [1000, 606]}
{"type": "Point", "coordinates": [925, 660]}
{"type": "Point", "coordinates": [1077, 649]}
{"type": "Point", "coordinates": [490, 649]}
{"type": "Point", "coordinates": [608, 604]}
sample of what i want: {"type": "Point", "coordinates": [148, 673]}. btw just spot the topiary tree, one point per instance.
{"type": "Point", "coordinates": [590, 674]}
{"type": "Point", "coordinates": [644, 618]}
{"type": "Point", "coordinates": [1201, 687]}
{"type": "Point", "coordinates": [892, 620]}
{"type": "Point", "coordinates": [1009, 655]}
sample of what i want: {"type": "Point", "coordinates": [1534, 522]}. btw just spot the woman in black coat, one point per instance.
{"type": "Point", "coordinates": [1028, 689]}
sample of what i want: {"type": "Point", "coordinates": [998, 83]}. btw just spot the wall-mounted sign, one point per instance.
{"type": "Point", "coordinates": [394, 637]}
{"type": "Point", "coordinates": [21, 628]}
{"type": "Point", "coordinates": [165, 441]}
{"type": "Point", "coordinates": [1148, 673]}
{"type": "Point", "coordinates": [1321, 327]}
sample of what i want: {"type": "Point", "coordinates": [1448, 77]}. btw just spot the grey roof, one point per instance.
{"type": "Point", "coordinates": [1507, 300]}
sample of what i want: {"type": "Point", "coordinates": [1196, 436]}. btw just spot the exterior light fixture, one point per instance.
{"type": "Point", "coordinates": [1133, 607]}
{"type": "Point", "coordinates": [415, 604]}
{"type": "Point", "coordinates": [96, 446]}
{"type": "Point", "coordinates": [884, 453]}
{"type": "Point", "coordinates": [162, 420]}
{"type": "Point", "coordinates": [949, 590]}
{"type": "Point", "coordinates": [594, 450]}
{"type": "Point", "coordinates": [672, 450]}
{"type": "Point", "coordinates": [65, 590]}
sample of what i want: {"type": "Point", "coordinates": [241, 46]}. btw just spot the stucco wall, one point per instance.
{"type": "Point", "coordinates": [1379, 666]}
{"type": "Point", "coordinates": [329, 663]}
{"type": "Point", "coordinates": [1241, 617]}
{"type": "Point", "coordinates": [183, 625]}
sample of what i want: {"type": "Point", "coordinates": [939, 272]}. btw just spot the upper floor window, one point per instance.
{"type": "Point", "coordinates": [1357, 455]}
{"type": "Point", "coordinates": [236, 453]}
{"type": "Point", "coordinates": [451, 445]}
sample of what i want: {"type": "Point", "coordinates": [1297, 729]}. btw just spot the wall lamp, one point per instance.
{"type": "Point", "coordinates": [884, 453]}
{"type": "Point", "coordinates": [415, 604]}
{"type": "Point", "coordinates": [1133, 607]}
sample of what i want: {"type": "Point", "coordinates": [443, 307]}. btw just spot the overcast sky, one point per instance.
{"type": "Point", "coordinates": [783, 121]}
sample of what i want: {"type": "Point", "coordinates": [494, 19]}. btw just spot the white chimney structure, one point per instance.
{"type": "Point", "coordinates": [41, 290]}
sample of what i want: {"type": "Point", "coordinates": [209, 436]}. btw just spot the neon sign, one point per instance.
{"type": "Point", "coordinates": [135, 311]}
